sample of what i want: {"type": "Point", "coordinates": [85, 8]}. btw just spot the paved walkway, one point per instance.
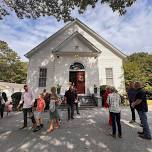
{"type": "Point", "coordinates": [88, 132]}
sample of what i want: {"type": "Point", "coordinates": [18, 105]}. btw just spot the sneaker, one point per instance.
{"type": "Point", "coordinates": [144, 137]}
{"type": "Point", "coordinates": [120, 136]}
{"type": "Point", "coordinates": [114, 136]}
{"type": "Point", "coordinates": [140, 133]}
{"type": "Point", "coordinates": [60, 122]}
{"type": "Point", "coordinates": [37, 129]}
{"type": "Point", "coordinates": [132, 121]}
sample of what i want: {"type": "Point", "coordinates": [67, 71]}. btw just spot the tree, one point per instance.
{"type": "Point", "coordinates": [11, 68]}
{"type": "Point", "coordinates": [138, 67]}
{"type": "Point", "coordinates": [60, 9]}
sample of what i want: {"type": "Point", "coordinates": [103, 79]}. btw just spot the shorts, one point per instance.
{"type": "Point", "coordinates": [39, 115]}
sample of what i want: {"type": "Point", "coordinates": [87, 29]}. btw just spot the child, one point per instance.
{"type": "Point", "coordinates": [39, 109]}
{"type": "Point", "coordinates": [9, 107]}
{"type": "Point", "coordinates": [114, 101]}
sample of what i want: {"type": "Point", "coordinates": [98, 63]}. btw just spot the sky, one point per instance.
{"type": "Point", "coordinates": [129, 33]}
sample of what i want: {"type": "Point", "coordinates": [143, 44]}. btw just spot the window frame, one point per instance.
{"type": "Point", "coordinates": [42, 78]}
{"type": "Point", "coordinates": [111, 78]}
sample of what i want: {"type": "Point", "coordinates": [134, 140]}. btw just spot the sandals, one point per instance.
{"type": "Point", "coordinates": [49, 130]}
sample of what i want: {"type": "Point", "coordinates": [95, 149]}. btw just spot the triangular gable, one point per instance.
{"type": "Point", "coordinates": [82, 40]}
{"type": "Point", "coordinates": [100, 39]}
{"type": "Point", "coordinates": [85, 28]}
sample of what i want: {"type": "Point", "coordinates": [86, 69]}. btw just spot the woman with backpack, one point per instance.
{"type": "Point", "coordinates": [54, 115]}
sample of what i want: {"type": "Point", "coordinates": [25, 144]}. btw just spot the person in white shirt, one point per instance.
{"type": "Point", "coordinates": [27, 99]}
{"type": "Point", "coordinates": [114, 101]}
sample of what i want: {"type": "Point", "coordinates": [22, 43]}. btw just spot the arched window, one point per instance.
{"type": "Point", "coordinates": [76, 66]}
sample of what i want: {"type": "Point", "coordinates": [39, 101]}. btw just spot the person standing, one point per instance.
{"type": "Point", "coordinates": [70, 99]}
{"type": "Point", "coordinates": [131, 96]}
{"type": "Point", "coordinates": [76, 100]}
{"type": "Point", "coordinates": [114, 101]}
{"type": "Point", "coordinates": [2, 105]}
{"type": "Point", "coordinates": [27, 100]}
{"type": "Point", "coordinates": [105, 96]}
{"type": "Point", "coordinates": [40, 108]}
{"type": "Point", "coordinates": [54, 115]}
{"type": "Point", "coordinates": [140, 104]}
{"type": "Point", "coordinates": [4, 95]}
{"type": "Point", "coordinates": [46, 99]}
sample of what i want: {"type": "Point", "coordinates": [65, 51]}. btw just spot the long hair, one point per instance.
{"type": "Point", "coordinates": [53, 92]}
{"type": "Point", "coordinates": [4, 95]}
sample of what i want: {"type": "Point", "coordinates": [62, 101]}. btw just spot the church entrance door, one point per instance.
{"type": "Point", "coordinates": [78, 79]}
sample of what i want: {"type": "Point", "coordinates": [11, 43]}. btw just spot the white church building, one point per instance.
{"type": "Point", "coordinates": [75, 54]}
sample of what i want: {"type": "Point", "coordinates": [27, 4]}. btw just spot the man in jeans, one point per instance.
{"type": "Point", "coordinates": [131, 96]}
{"type": "Point", "coordinates": [70, 99]}
{"type": "Point", "coordinates": [27, 100]}
{"type": "Point", "coordinates": [140, 104]}
{"type": "Point", "coordinates": [114, 101]}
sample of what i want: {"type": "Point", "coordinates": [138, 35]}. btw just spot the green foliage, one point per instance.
{"type": "Point", "coordinates": [138, 67]}
{"type": "Point", "coordinates": [60, 9]}
{"type": "Point", "coordinates": [11, 68]}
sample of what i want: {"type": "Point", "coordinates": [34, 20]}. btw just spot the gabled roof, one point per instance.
{"type": "Point", "coordinates": [85, 28]}
{"type": "Point", "coordinates": [82, 38]}
{"type": "Point", "coordinates": [101, 39]}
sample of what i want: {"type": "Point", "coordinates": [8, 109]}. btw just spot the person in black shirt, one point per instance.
{"type": "Point", "coordinates": [131, 96]}
{"type": "Point", "coordinates": [4, 95]}
{"type": "Point", "coordinates": [70, 99]}
{"type": "Point", "coordinates": [2, 105]}
{"type": "Point", "coordinates": [76, 100]}
{"type": "Point", "coordinates": [140, 104]}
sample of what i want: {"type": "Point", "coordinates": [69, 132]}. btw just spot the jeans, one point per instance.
{"type": "Point", "coordinates": [77, 108]}
{"type": "Point", "coordinates": [116, 119]}
{"type": "Point", "coordinates": [143, 118]}
{"type": "Point", "coordinates": [31, 115]}
{"type": "Point", "coordinates": [132, 112]}
{"type": "Point", "coordinates": [70, 111]}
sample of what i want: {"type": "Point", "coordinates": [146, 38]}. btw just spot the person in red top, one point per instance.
{"type": "Point", "coordinates": [105, 96]}
{"type": "Point", "coordinates": [40, 108]}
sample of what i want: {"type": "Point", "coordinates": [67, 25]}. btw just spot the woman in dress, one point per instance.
{"type": "Point", "coordinates": [54, 116]}
{"type": "Point", "coordinates": [105, 96]}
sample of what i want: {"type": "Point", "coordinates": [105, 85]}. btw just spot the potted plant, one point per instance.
{"type": "Point", "coordinates": [58, 88]}
{"type": "Point", "coordinates": [95, 89]}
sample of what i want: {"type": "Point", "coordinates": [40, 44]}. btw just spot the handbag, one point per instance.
{"type": "Point", "coordinates": [52, 106]}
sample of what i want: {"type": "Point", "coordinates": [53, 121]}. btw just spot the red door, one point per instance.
{"type": "Point", "coordinates": [80, 82]}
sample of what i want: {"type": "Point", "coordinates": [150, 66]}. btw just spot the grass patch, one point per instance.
{"type": "Point", "coordinates": [149, 102]}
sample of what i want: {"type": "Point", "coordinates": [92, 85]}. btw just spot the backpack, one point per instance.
{"type": "Point", "coordinates": [52, 106]}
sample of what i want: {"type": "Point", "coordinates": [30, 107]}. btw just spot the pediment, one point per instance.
{"type": "Point", "coordinates": [76, 43]}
